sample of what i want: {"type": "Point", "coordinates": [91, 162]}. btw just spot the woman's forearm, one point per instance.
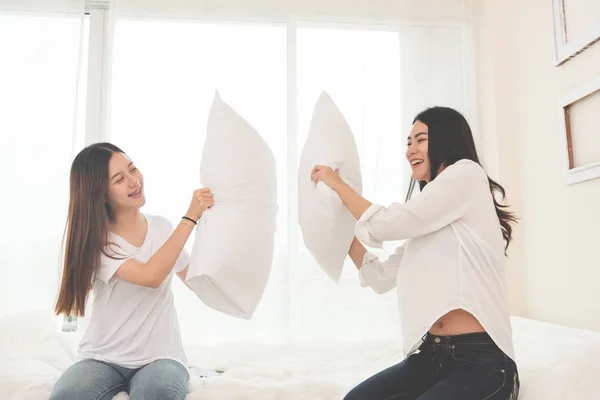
{"type": "Point", "coordinates": [161, 263]}
{"type": "Point", "coordinates": [153, 272]}
{"type": "Point", "coordinates": [357, 252]}
{"type": "Point", "coordinates": [356, 204]}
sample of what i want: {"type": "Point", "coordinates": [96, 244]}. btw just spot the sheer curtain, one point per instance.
{"type": "Point", "coordinates": [159, 62]}
{"type": "Point", "coordinates": [164, 74]}
{"type": "Point", "coordinates": [360, 68]}
{"type": "Point", "coordinates": [43, 68]}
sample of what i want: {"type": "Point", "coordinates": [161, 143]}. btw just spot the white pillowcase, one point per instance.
{"type": "Point", "coordinates": [326, 224]}
{"type": "Point", "coordinates": [233, 250]}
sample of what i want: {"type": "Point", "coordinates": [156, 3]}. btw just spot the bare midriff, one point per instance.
{"type": "Point", "coordinates": [456, 322]}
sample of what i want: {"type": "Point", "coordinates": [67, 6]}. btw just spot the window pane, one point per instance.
{"type": "Point", "coordinates": [361, 71]}
{"type": "Point", "coordinates": [38, 86]}
{"type": "Point", "coordinates": [165, 74]}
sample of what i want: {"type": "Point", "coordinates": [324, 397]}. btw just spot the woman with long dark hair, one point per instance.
{"type": "Point", "coordinates": [127, 258]}
{"type": "Point", "coordinates": [449, 272]}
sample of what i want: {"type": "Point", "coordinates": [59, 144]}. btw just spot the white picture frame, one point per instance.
{"type": "Point", "coordinates": [566, 48]}
{"type": "Point", "coordinates": [591, 170]}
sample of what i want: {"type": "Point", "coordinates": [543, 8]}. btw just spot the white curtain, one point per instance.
{"type": "Point", "coordinates": [164, 74]}
{"type": "Point", "coordinates": [43, 47]}
{"type": "Point", "coordinates": [163, 80]}
{"type": "Point", "coordinates": [160, 71]}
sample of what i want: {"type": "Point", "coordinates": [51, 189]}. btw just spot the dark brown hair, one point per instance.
{"type": "Point", "coordinates": [450, 140]}
{"type": "Point", "coordinates": [86, 232]}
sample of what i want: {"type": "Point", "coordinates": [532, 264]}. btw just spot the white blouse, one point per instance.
{"type": "Point", "coordinates": [453, 256]}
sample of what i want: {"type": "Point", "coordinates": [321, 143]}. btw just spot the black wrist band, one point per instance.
{"type": "Point", "coordinates": [189, 219]}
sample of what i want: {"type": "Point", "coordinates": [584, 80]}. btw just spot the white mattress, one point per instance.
{"type": "Point", "coordinates": [555, 363]}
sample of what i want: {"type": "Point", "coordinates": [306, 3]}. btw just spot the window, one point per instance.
{"type": "Point", "coordinates": [164, 77]}
{"type": "Point", "coordinates": [42, 58]}
{"type": "Point", "coordinates": [360, 68]}
{"type": "Point", "coordinates": [165, 74]}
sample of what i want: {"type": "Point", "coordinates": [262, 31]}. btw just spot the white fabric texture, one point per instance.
{"type": "Point", "coordinates": [132, 325]}
{"type": "Point", "coordinates": [555, 363]}
{"type": "Point", "coordinates": [233, 250]}
{"type": "Point", "coordinates": [453, 257]}
{"type": "Point", "coordinates": [326, 224]}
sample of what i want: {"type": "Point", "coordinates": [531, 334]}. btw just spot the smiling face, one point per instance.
{"type": "Point", "coordinates": [417, 152]}
{"type": "Point", "coordinates": [125, 185]}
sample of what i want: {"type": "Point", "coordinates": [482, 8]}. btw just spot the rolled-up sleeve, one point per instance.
{"type": "Point", "coordinates": [380, 275]}
{"type": "Point", "coordinates": [362, 227]}
{"type": "Point", "coordinates": [444, 200]}
{"type": "Point", "coordinates": [182, 261]}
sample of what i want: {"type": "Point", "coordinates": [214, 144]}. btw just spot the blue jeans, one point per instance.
{"type": "Point", "coordinates": [97, 380]}
{"type": "Point", "coordinates": [461, 367]}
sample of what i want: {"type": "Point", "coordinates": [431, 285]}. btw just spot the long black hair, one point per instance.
{"type": "Point", "coordinates": [450, 140]}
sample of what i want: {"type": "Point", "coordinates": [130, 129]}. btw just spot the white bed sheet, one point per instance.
{"type": "Point", "coordinates": [555, 363]}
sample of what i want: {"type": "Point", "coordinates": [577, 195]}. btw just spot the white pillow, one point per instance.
{"type": "Point", "coordinates": [326, 224]}
{"type": "Point", "coordinates": [233, 250]}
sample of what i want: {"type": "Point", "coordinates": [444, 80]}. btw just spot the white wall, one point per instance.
{"type": "Point", "coordinates": [554, 266]}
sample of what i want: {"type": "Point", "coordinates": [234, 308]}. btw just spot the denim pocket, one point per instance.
{"type": "Point", "coordinates": [487, 358]}
{"type": "Point", "coordinates": [482, 355]}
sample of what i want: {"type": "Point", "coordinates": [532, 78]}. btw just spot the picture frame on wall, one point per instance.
{"type": "Point", "coordinates": [583, 130]}
{"type": "Point", "coordinates": [566, 43]}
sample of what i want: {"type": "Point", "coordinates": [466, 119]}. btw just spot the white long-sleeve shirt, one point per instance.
{"type": "Point", "coordinates": [452, 257]}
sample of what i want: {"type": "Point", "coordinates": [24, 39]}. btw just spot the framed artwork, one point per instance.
{"type": "Point", "coordinates": [576, 27]}
{"type": "Point", "coordinates": [580, 115]}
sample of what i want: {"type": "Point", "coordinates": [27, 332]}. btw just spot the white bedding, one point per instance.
{"type": "Point", "coordinates": [555, 363]}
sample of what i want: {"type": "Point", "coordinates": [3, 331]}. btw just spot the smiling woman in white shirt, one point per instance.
{"type": "Point", "coordinates": [128, 259]}
{"type": "Point", "coordinates": [449, 272]}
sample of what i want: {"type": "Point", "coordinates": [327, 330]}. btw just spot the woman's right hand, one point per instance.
{"type": "Point", "coordinates": [201, 200]}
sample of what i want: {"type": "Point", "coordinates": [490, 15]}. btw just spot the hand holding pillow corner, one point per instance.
{"type": "Point", "coordinates": [202, 199]}
{"type": "Point", "coordinates": [356, 204]}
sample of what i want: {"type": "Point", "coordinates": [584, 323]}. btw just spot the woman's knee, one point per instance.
{"type": "Point", "coordinates": [162, 379]}
{"type": "Point", "coordinates": [353, 395]}
{"type": "Point", "coordinates": [62, 393]}
{"type": "Point", "coordinates": [88, 380]}
{"type": "Point", "coordinates": [364, 391]}
{"type": "Point", "coordinates": [171, 393]}
{"type": "Point", "coordinates": [85, 392]}
{"type": "Point", "coordinates": [160, 391]}
{"type": "Point", "coordinates": [407, 377]}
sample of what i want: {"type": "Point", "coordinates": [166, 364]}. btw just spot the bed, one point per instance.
{"type": "Point", "coordinates": [555, 363]}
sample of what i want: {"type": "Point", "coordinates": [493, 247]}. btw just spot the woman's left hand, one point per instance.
{"type": "Point", "coordinates": [327, 175]}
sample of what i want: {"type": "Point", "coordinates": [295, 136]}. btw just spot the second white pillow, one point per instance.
{"type": "Point", "coordinates": [326, 224]}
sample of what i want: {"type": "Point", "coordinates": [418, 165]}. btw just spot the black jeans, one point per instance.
{"type": "Point", "coordinates": [461, 367]}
